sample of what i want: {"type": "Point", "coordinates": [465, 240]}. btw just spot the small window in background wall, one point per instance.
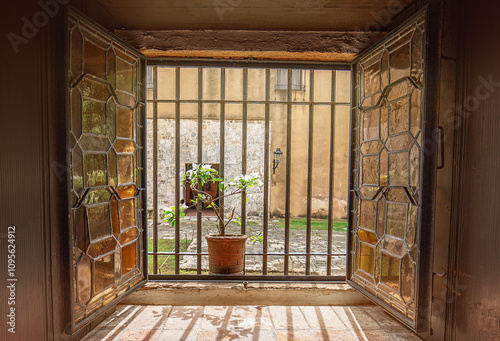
{"type": "Point", "coordinates": [282, 80]}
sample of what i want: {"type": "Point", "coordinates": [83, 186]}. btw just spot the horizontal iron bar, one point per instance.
{"type": "Point", "coordinates": [249, 278]}
{"type": "Point", "coordinates": [250, 254]}
{"type": "Point", "coordinates": [212, 101]}
{"type": "Point", "coordinates": [215, 63]}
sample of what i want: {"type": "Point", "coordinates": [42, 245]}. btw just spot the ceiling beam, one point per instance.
{"type": "Point", "coordinates": [302, 45]}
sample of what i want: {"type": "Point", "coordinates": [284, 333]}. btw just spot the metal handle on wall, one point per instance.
{"type": "Point", "coordinates": [441, 142]}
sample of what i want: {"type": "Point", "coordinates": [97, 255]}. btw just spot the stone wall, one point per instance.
{"type": "Point", "coordinates": [211, 155]}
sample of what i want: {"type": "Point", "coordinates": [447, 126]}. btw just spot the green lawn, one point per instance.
{"type": "Point", "coordinates": [316, 224]}
{"type": "Point", "coordinates": [166, 264]}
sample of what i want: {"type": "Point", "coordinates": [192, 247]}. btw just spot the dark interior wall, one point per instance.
{"type": "Point", "coordinates": [477, 275]}
{"type": "Point", "coordinates": [33, 172]}
{"type": "Point", "coordinates": [27, 98]}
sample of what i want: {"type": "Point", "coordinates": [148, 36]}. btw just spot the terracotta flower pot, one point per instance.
{"type": "Point", "coordinates": [226, 253]}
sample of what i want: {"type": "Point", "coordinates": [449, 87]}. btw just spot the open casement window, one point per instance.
{"type": "Point", "coordinates": [393, 172]}
{"type": "Point", "coordinates": [106, 114]}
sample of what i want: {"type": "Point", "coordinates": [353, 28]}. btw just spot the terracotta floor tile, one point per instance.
{"type": "Point", "coordinates": [218, 335]}
{"type": "Point", "coordinates": [404, 336]}
{"type": "Point", "coordinates": [257, 335]}
{"type": "Point", "coordinates": [296, 335]}
{"type": "Point", "coordinates": [250, 323]}
{"type": "Point", "coordinates": [355, 318]}
{"type": "Point", "coordinates": [140, 335]}
{"type": "Point", "coordinates": [253, 317]}
{"type": "Point", "coordinates": [150, 317]}
{"type": "Point", "coordinates": [335, 335]}
{"type": "Point", "coordinates": [220, 317]}
{"type": "Point", "coordinates": [184, 318]}
{"type": "Point", "coordinates": [383, 319]}
{"type": "Point", "coordinates": [121, 318]}
{"type": "Point", "coordinates": [323, 318]}
{"type": "Point", "coordinates": [100, 334]}
{"type": "Point", "coordinates": [178, 335]}
{"type": "Point", "coordinates": [288, 318]}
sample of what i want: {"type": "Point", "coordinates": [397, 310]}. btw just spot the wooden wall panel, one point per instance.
{"type": "Point", "coordinates": [23, 172]}
{"type": "Point", "coordinates": [477, 276]}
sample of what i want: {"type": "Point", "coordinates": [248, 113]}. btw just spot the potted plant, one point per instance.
{"type": "Point", "coordinates": [225, 252]}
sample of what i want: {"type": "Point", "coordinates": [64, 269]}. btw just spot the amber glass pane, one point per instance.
{"type": "Point", "coordinates": [111, 120]}
{"type": "Point", "coordinates": [95, 170]}
{"type": "Point", "coordinates": [84, 280]}
{"type": "Point", "coordinates": [76, 112]}
{"type": "Point", "coordinates": [399, 116]}
{"type": "Point", "coordinates": [125, 126]}
{"type": "Point", "coordinates": [114, 217]}
{"type": "Point", "coordinates": [370, 170]}
{"type": "Point", "coordinates": [111, 67]}
{"type": "Point", "coordinates": [399, 142]}
{"type": "Point", "coordinates": [93, 89]}
{"type": "Point", "coordinates": [399, 169]}
{"type": "Point", "coordinates": [371, 147]}
{"type": "Point", "coordinates": [396, 219]}
{"type": "Point", "coordinates": [112, 167]}
{"type": "Point", "coordinates": [128, 236]}
{"type": "Point", "coordinates": [124, 78]}
{"type": "Point", "coordinates": [129, 258]}
{"type": "Point", "coordinates": [102, 247]}
{"type": "Point", "coordinates": [400, 62]}
{"type": "Point", "coordinates": [124, 146]}
{"type": "Point", "coordinates": [381, 216]}
{"type": "Point", "coordinates": [95, 59]}
{"type": "Point", "coordinates": [407, 279]}
{"type": "Point", "coordinates": [94, 117]}
{"type": "Point", "coordinates": [394, 246]}
{"type": "Point", "coordinates": [371, 124]}
{"type": "Point", "coordinates": [417, 71]}
{"type": "Point", "coordinates": [97, 196]}
{"type": "Point", "coordinates": [367, 214]}
{"type": "Point", "coordinates": [125, 169]}
{"type": "Point", "coordinates": [367, 257]}
{"type": "Point", "coordinates": [90, 143]}
{"type": "Point", "coordinates": [390, 271]}
{"type": "Point", "coordinates": [77, 169]}
{"type": "Point", "coordinates": [99, 221]}
{"type": "Point", "coordinates": [104, 274]}
{"type": "Point", "coordinates": [126, 191]}
{"type": "Point", "coordinates": [127, 213]}
{"type": "Point", "coordinates": [372, 79]}
{"type": "Point", "coordinates": [367, 237]}
{"type": "Point", "coordinates": [80, 236]}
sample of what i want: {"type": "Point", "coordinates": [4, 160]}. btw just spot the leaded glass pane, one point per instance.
{"type": "Point", "coordinates": [387, 126]}
{"type": "Point", "coordinates": [105, 216]}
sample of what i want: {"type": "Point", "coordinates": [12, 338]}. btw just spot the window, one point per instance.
{"type": "Point", "coordinates": [282, 80]}
{"type": "Point", "coordinates": [149, 77]}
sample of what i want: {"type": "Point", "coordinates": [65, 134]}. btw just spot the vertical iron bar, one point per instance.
{"type": "Point", "coordinates": [331, 191]}
{"type": "Point", "coordinates": [144, 166]}
{"type": "Point", "coordinates": [244, 148]}
{"type": "Point", "coordinates": [155, 168]}
{"type": "Point", "coordinates": [222, 132]}
{"type": "Point", "coordinates": [177, 165]}
{"type": "Point", "coordinates": [288, 169]}
{"type": "Point", "coordinates": [200, 160]}
{"type": "Point", "coordinates": [266, 173]}
{"type": "Point", "coordinates": [310, 155]}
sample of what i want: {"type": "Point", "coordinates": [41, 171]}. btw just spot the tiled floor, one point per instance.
{"type": "Point", "coordinates": [256, 323]}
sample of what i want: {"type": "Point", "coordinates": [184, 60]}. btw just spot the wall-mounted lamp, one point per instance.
{"type": "Point", "coordinates": [277, 159]}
